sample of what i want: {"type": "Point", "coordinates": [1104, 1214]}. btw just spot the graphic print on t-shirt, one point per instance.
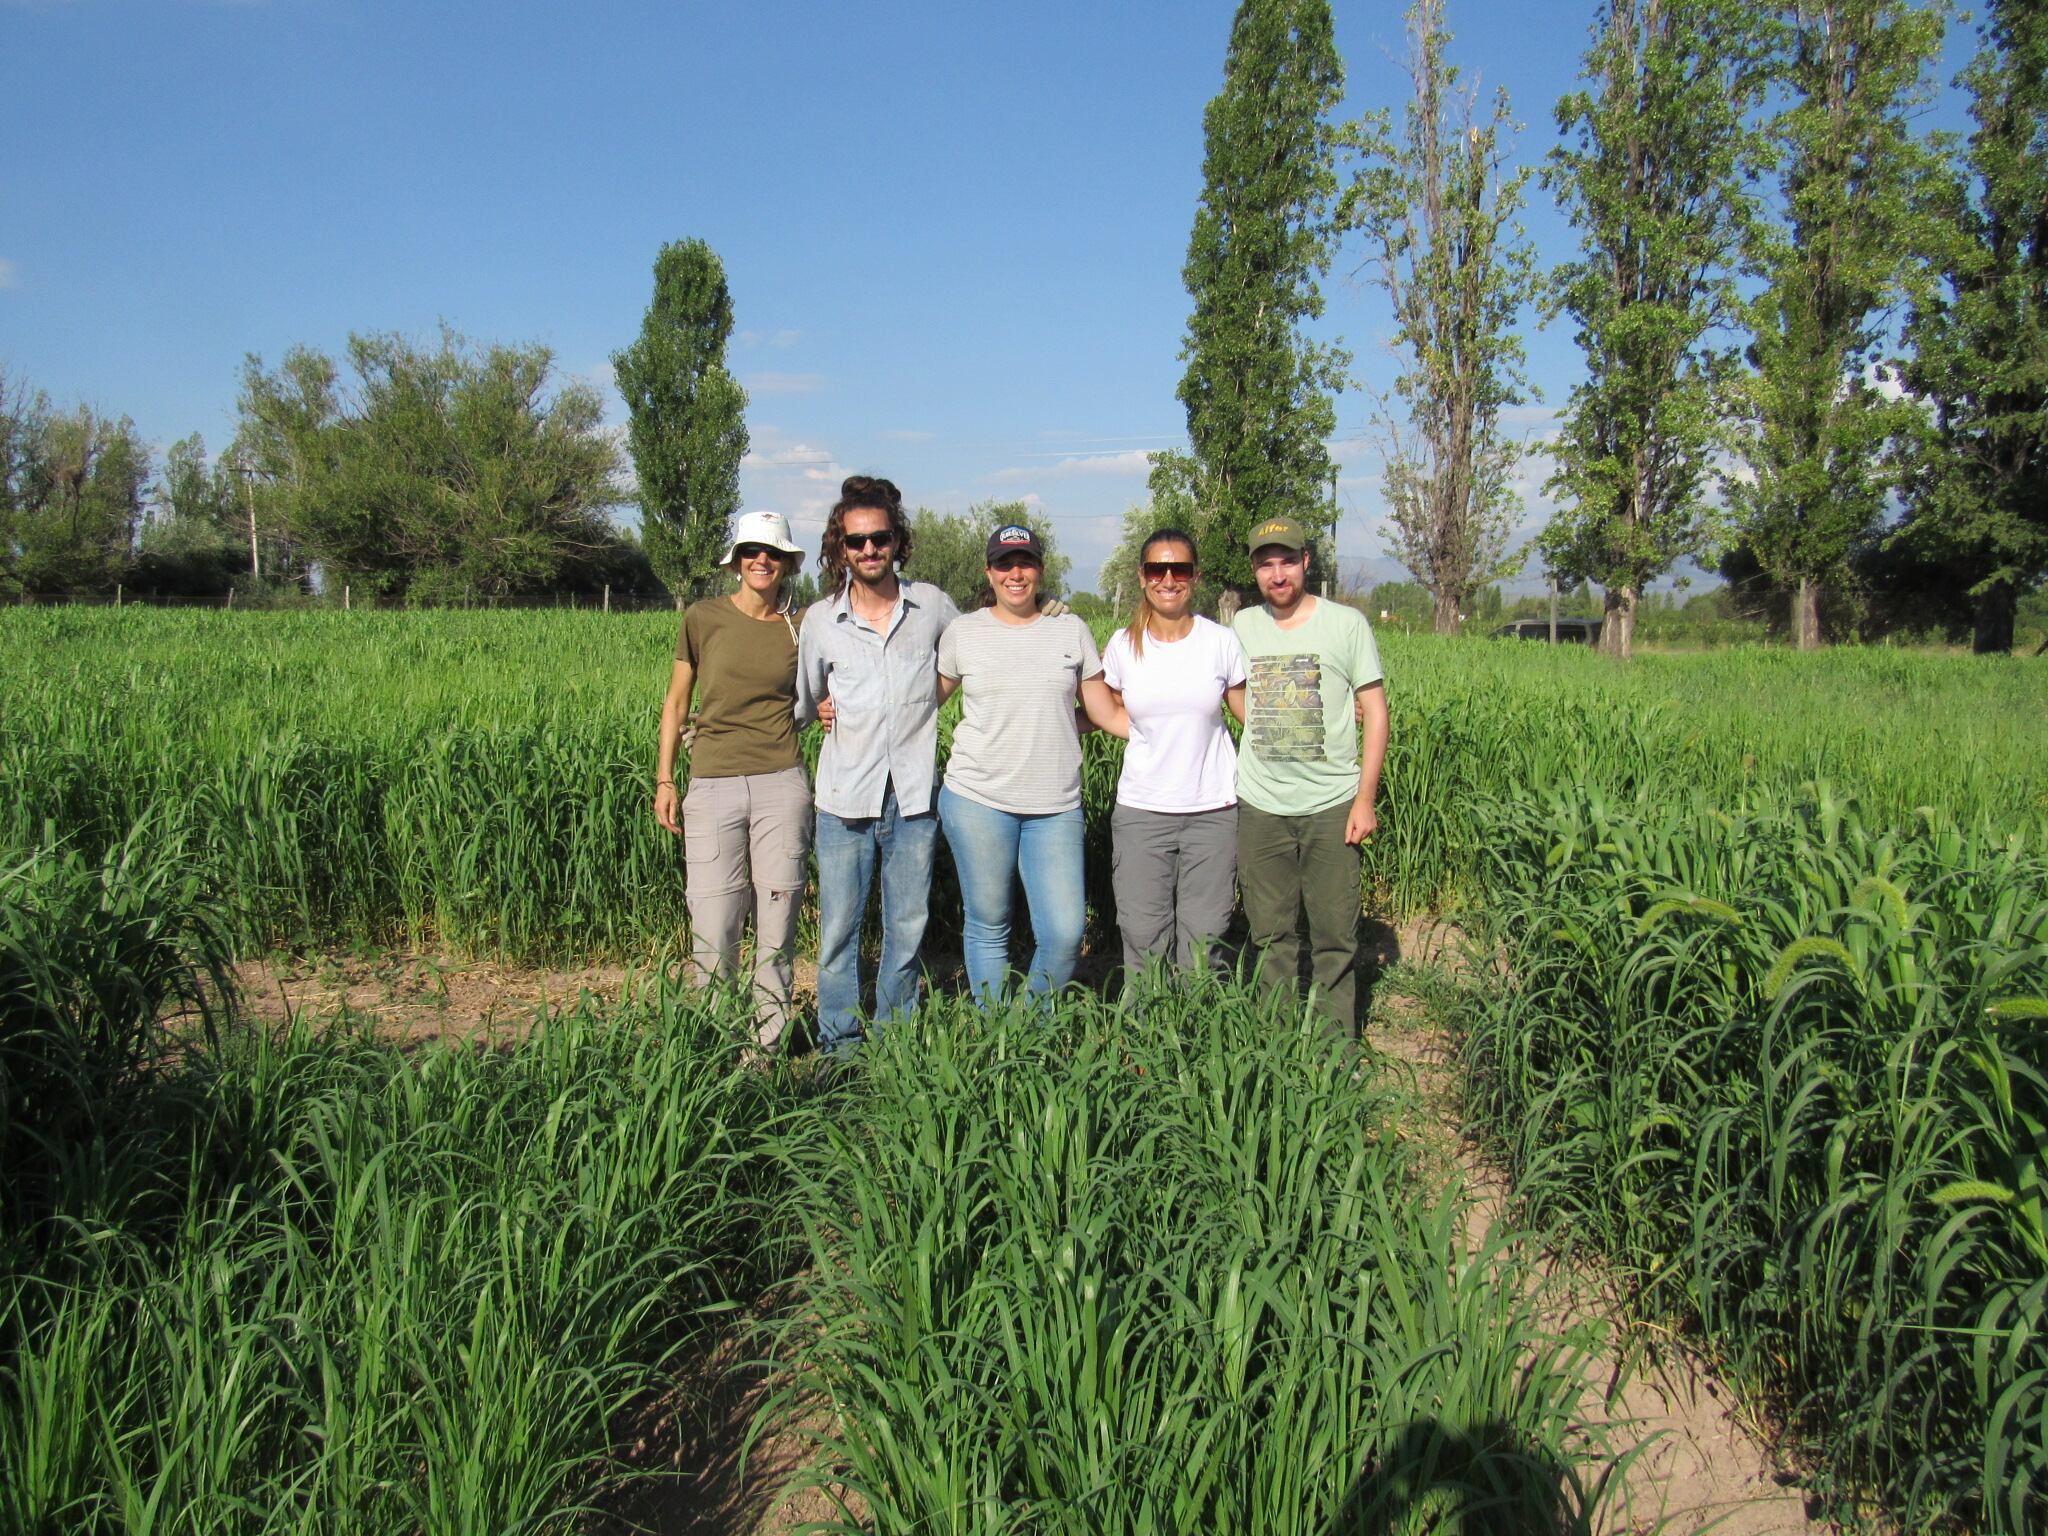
{"type": "Point", "coordinates": [1286, 715]}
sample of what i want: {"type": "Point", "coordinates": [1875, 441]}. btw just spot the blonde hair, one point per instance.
{"type": "Point", "coordinates": [1142, 619]}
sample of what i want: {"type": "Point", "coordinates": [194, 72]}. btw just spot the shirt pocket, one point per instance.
{"type": "Point", "coordinates": [858, 687]}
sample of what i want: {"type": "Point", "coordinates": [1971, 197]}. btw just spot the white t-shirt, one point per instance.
{"type": "Point", "coordinates": [1180, 758]}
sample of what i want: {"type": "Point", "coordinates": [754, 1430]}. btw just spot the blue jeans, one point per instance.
{"type": "Point", "coordinates": [990, 849]}
{"type": "Point", "coordinates": [847, 854]}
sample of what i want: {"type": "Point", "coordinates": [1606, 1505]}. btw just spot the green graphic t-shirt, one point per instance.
{"type": "Point", "coordinates": [1300, 748]}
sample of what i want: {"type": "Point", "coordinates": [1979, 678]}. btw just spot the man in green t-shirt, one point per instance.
{"type": "Point", "coordinates": [1305, 791]}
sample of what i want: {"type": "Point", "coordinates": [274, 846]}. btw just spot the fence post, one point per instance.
{"type": "Point", "coordinates": [117, 594]}
{"type": "Point", "coordinates": [231, 597]}
{"type": "Point", "coordinates": [344, 597]}
{"type": "Point", "coordinates": [607, 597]}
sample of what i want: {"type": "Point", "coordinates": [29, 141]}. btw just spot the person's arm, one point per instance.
{"type": "Point", "coordinates": [812, 677]}
{"type": "Point", "coordinates": [948, 655]}
{"type": "Point", "coordinates": [1102, 707]}
{"type": "Point", "coordinates": [675, 716]}
{"type": "Point", "coordinates": [1233, 700]}
{"type": "Point", "coordinates": [1372, 708]}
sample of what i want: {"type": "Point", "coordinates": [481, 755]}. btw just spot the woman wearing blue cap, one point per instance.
{"type": "Point", "coordinates": [1011, 803]}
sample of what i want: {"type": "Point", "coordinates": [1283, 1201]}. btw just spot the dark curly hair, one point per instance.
{"type": "Point", "coordinates": [861, 491]}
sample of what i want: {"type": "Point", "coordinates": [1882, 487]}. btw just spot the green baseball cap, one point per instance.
{"type": "Point", "coordinates": [1284, 531]}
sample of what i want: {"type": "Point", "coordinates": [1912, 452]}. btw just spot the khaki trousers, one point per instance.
{"type": "Point", "coordinates": [745, 839]}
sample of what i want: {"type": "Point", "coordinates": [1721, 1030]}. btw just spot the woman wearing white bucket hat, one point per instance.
{"type": "Point", "coordinates": [745, 820]}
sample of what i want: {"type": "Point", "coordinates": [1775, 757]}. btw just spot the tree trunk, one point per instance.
{"type": "Point", "coordinates": [1445, 603]}
{"type": "Point", "coordinates": [1228, 601]}
{"type": "Point", "coordinates": [1996, 611]}
{"type": "Point", "coordinates": [1618, 630]}
{"type": "Point", "coordinates": [1806, 614]}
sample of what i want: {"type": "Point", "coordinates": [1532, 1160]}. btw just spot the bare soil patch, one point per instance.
{"type": "Point", "coordinates": [701, 1473]}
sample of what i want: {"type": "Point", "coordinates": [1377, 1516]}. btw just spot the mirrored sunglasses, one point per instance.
{"type": "Point", "coordinates": [1159, 570]}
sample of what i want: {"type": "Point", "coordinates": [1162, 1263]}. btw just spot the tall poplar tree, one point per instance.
{"type": "Point", "coordinates": [688, 428]}
{"type": "Point", "coordinates": [1257, 391]}
{"type": "Point", "coordinates": [1437, 209]}
{"type": "Point", "coordinates": [1813, 427]}
{"type": "Point", "coordinates": [1655, 184]}
{"type": "Point", "coordinates": [1979, 497]}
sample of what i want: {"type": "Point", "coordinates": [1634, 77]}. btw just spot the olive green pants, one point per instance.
{"type": "Point", "coordinates": [1289, 866]}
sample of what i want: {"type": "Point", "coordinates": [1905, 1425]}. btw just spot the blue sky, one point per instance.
{"type": "Point", "coordinates": [953, 232]}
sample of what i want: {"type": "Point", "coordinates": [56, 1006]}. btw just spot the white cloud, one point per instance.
{"type": "Point", "coordinates": [10, 275]}
{"type": "Point", "coordinates": [1132, 461]}
{"type": "Point", "coordinates": [772, 383]}
{"type": "Point", "coordinates": [791, 475]}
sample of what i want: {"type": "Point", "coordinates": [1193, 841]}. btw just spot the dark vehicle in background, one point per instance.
{"type": "Point", "coordinates": [1578, 631]}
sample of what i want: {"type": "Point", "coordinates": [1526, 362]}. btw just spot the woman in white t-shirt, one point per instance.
{"type": "Point", "coordinates": [1175, 823]}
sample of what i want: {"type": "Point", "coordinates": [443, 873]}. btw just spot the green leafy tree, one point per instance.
{"type": "Point", "coordinates": [1257, 391]}
{"type": "Point", "coordinates": [1437, 209]}
{"type": "Point", "coordinates": [1118, 577]}
{"type": "Point", "coordinates": [689, 430]}
{"type": "Point", "coordinates": [193, 543]}
{"type": "Point", "coordinates": [950, 549]}
{"type": "Point", "coordinates": [1654, 180]}
{"type": "Point", "coordinates": [1978, 498]}
{"type": "Point", "coordinates": [446, 474]}
{"type": "Point", "coordinates": [1813, 428]}
{"type": "Point", "coordinates": [191, 489]}
{"type": "Point", "coordinates": [74, 496]}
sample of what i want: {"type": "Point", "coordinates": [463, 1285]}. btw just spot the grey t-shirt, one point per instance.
{"type": "Point", "coordinates": [1017, 748]}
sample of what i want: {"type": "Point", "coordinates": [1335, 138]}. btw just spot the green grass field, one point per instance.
{"type": "Point", "coordinates": [1763, 944]}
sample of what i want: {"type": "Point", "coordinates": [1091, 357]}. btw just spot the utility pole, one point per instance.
{"type": "Point", "coordinates": [246, 469]}
{"type": "Point", "coordinates": [1553, 607]}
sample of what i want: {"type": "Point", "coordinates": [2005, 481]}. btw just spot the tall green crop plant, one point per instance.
{"type": "Point", "coordinates": [1163, 1268]}
{"type": "Point", "coordinates": [342, 1286]}
{"type": "Point", "coordinates": [1776, 1063]}
{"type": "Point", "coordinates": [94, 957]}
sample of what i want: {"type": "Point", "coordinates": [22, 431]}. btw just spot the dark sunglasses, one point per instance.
{"type": "Point", "coordinates": [755, 551]}
{"type": "Point", "coordinates": [1013, 562]}
{"type": "Point", "coordinates": [1159, 570]}
{"type": "Point", "coordinates": [880, 539]}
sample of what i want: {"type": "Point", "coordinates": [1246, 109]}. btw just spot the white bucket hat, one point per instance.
{"type": "Point", "coordinates": [762, 528]}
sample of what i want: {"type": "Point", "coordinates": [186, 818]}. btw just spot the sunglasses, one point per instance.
{"type": "Point", "coordinates": [755, 552]}
{"type": "Point", "coordinates": [1013, 562]}
{"type": "Point", "coordinates": [880, 539]}
{"type": "Point", "coordinates": [1159, 570]}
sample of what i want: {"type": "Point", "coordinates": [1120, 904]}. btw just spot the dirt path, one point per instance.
{"type": "Point", "coordinates": [1704, 1467]}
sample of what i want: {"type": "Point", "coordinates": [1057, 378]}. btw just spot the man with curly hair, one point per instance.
{"type": "Point", "coordinates": [866, 657]}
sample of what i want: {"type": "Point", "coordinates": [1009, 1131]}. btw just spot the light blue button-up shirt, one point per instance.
{"type": "Point", "coordinates": [885, 699]}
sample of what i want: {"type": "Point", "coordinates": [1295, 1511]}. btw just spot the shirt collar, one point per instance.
{"type": "Point", "coordinates": [906, 596]}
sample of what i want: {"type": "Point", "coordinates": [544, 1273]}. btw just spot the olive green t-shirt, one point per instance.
{"type": "Point", "coordinates": [746, 690]}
